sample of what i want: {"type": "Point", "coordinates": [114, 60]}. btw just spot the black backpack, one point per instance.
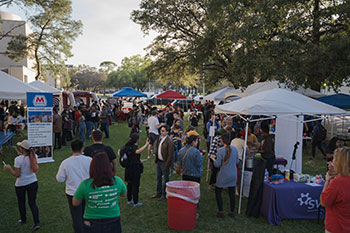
{"type": "Point", "coordinates": [322, 133]}
{"type": "Point", "coordinates": [124, 158]}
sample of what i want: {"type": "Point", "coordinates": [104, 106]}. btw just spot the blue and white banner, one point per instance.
{"type": "Point", "coordinates": [39, 115]}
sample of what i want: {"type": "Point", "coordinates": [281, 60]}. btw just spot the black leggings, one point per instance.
{"type": "Point", "coordinates": [31, 190]}
{"type": "Point", "coordinates": [231, 193]}
{"type": "Point", "coordinates": [133, 188]}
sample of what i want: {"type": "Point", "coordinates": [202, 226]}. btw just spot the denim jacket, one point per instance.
{"type": "Point", "coordinates": [192, 165]}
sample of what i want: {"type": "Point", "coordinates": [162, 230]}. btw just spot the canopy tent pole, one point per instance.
{"type": "Point", "coordinates": [208, 160]}
{"type": "Point", "coordinates": [332, 127]}
{"type": "Point", "coordinates": [243, 165]}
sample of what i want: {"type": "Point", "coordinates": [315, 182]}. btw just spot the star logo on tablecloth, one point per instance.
{"type": "Point", "coordinates": [304, 198]}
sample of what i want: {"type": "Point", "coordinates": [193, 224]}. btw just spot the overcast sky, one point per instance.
{"type": "Point", "coordinates": [108, 32]}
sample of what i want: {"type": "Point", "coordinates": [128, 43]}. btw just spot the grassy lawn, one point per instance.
{"type": "Point", "coordinates": [151, 217]}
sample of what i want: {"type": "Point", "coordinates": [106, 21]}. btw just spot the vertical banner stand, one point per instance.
{"type": "Point", "coordinates": [39, 119]}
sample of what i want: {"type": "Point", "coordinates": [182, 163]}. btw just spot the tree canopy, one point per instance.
{"type": "Point", "coordinates": [131, 73]}
{"type": "Point", "coordinates": [54, 30]}
{"type": "Point", "coordinates": [298, 42]}
{"type": "Point", "coordinates": [88, 78]}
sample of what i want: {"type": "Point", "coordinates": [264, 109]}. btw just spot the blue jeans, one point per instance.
{"type": "Point", "coordinates": [107, 225]}
{"type": "Point", "coordinates": [82, 127]}
{"type": "Point", "coordinates": [105, 128]}
{"type": "Point", "coordinates": [94, 125]}
{"type": "Point", "coordinates": [161, 172]}
{"type": "Point", "coordinates": [88, 129]}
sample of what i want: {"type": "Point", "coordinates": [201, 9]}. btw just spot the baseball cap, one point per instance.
{"type": "Point", "coordinates": [24, 144]}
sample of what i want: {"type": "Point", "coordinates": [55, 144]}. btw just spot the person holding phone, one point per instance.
{"type": "Point", "coordinates": [335, 196]}
{"type": "Point", "coordinates": [134, 169]}
{"type": "Point", "coordinates": [26, 182]}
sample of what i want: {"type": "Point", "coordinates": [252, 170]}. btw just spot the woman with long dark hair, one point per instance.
{"type": "Point", "coordinates": [25, 168]}
{"type": "Point", "coordinates": [226, 160]}
{"type": "Point", "coordinates": [134, 168]}
{"type": "Point", "coordinates": [101, 193]}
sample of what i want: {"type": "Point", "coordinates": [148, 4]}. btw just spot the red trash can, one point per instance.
{"type": "Point", "coordinates": [183, 197]}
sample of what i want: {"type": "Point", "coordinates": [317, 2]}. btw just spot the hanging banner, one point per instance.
{"type": "Point", "coordinates": [39, 115]}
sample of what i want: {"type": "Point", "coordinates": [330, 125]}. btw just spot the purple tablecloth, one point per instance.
{"type": "Point", "coordinates": [290, 200]}
{"type": "Point", "coordinates": [4, 137]}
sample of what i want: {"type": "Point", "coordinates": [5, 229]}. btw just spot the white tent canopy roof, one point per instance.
{"type": "Point", "coordinates": [269, 85]}
{"type": "Point", "coordinates": [219, 95]}
{"type": "Point", "coordinates": [278, 101]}
{"type": "Point", "coordinates": [13, 88]}
{"type": "Point", "coordinates": [44, 87]}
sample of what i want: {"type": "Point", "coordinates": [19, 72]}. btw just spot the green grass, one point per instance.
{"type": "Point", "coordinates": [151, 217]}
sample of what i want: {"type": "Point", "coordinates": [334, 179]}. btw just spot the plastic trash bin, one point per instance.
{"type": "Point", "coordinates": [183, 197]}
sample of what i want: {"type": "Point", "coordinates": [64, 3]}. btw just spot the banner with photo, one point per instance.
{"type": "Point", "coordinates": [39, 115]}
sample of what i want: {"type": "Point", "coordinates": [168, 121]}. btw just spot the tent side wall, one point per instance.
{"type": "Point", "coordinates": [288, 132]}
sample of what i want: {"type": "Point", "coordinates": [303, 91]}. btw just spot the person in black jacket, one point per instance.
{"type": "Point", "coordinates": [267, 149]}
{"type": "Point", "coordinates": [134, 168]}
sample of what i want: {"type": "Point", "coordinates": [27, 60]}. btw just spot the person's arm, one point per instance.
{"type": "Point", "coordinates": [79, 194]}
{"type": "Point", "coordinates": [139, 151]}
{"type": "Point", "coordinates": [218, 160]}
{"type": "Point", "coordinates": [15, 172]}
{"type": "Point", "coordinates": [214, 146]}
{"type": "Point", "coordinates": [61, 174]}
{"type": "Point", "coordinates": [123, 188]}
{"type": "Point", "coordinates": [76, 202]}
{"type": "Point", "coordinates": [170, 151]}
{"type": "Point", "coordinates": [114, 166]}
{"type": "Point", "coordinates": [329, 192]}
{"type": "Point", "coordinates": [199, 159]}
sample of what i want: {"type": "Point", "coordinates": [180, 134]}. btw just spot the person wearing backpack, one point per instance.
{"type": "Point", "coordinates": [130, 159]}
{"type": "Point", "coordinates": [26, 182]}
{"type": "Point", "coordinates": [319, 133]}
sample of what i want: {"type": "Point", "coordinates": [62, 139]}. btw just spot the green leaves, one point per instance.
{"type": "Point", "coordinates": [131, 73]}
{"type": "Point", "coordinates": [249, 40]}
{"type": "Point", "coordinates": [53, 33]}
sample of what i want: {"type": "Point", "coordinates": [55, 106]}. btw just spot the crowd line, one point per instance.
{"type": "Point", "coordinates": [93, 189]}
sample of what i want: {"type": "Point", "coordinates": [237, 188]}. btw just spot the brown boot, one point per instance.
{"type": "Point", "coordinates": [231, 214]}
{"type": "Point", "coordinates": [220, 214]}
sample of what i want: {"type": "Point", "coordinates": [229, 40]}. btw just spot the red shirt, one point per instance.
{"type": "Point", "coordinates": [77, 116]}
{"type": "Point", "coordinates": [336, 198]}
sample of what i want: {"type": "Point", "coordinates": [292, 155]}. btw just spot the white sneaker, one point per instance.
{"type": "Point", "coordinates": [130, 202]}
{"type": "Point", "coordinates": [137, 204]}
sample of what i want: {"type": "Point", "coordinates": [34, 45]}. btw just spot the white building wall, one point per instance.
{"type": "Point", "coordinates": [23, 69]}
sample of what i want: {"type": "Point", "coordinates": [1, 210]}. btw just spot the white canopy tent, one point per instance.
{"type": "Point", "coordinates": [289, 108]}
{"type": "Point", "coordinates": [13, 88]}
{"type": "Point", "coordinates": [269, 85]}
{"type": "Point", "coordinates": [44, 87]}
{"type": "Point", "coordinates": [220, 94]}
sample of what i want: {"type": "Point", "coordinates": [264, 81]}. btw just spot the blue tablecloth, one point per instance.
{"type": "Point", "coordinates": [5, 136]}
{"type": "Point", "coordinates": [290, 200]}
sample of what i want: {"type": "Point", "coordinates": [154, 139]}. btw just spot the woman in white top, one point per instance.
{"type": "Point", "coordinates": [25, 168]}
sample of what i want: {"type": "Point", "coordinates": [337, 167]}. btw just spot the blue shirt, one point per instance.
{"type": "Point", "coordinates": [192, 165]}
{"type": "Point", "coordinates": [227, 176]}
{"type": "Point", "coordinates": [210, 123]}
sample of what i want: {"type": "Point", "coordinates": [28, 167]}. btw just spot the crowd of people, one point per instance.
{"type": "Point", "coordinates": [93, 189]}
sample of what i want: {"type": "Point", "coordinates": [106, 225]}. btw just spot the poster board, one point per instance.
{"type": "Point", "coordinates": [40, 116]}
